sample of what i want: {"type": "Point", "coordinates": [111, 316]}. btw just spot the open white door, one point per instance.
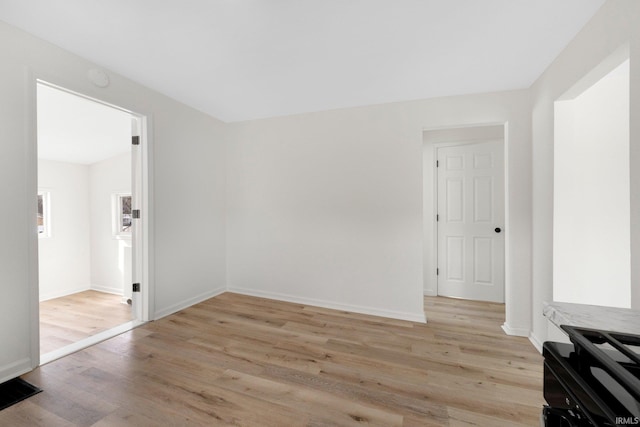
{"type": "Point", "coordinates": [471, 221]}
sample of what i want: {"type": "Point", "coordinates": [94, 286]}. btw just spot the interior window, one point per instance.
{"type": "Point", "coordinates": [122, 215]}
{"type": "Point", "coordinates": [125, 214]}
{"type": "Point", "coordinates": [44, 222]}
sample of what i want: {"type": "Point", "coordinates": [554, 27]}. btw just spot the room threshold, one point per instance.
{"type": "Point", "coordinates": [89, 341]}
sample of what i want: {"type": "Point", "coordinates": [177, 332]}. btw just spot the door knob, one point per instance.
{"type": "Point", "coordinates": [498, 229]}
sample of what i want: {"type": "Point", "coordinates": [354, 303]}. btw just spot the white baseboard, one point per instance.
{"type": "Point", "coordinates": [430, 293]}
{"type": "Point", "coordinates": [536, 342]}
{"type": "Point", "coordinates": [63, 293]}
{"type": "Point", "coordinates": [107, 289]}
{"type": "Point", "coordinates": [174, 308]}
{"type": "Point", "coordinates": [518, 332]}
{"type": "Point", "coordinates": [412, 317]}
{"type": "Point", "coordinates": [15, 369]}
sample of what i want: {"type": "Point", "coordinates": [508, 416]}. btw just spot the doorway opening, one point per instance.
{"type": "Point", "coordinates": [90, 240]}
{"type": "Point", "coordinates": [464, 212]}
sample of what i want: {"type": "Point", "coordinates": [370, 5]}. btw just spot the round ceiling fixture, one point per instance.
{"type": "Point", "coordinates": [98, 77]}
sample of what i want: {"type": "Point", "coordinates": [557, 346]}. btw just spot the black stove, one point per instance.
{"type": "Point", "coordinates": [595, 381]}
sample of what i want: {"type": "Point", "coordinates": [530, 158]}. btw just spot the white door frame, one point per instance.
{"type": "Point", "coordinates": [438, 145]}
{"type": "Point", "coordinates": [432, 150]}
{"type": "Point", "coordinates": [143, 249]}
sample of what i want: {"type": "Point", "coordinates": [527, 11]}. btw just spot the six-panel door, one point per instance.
{"type": "Point", "coordinates": [471, 221]}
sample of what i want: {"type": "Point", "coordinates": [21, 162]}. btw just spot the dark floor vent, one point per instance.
{"type": "Point", "coordinates": [14, 391]}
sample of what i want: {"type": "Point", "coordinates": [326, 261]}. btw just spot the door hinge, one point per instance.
{"type": "Point", "coordinates": [437, 271]}
{"type": "Point", "coordinates": [135, 140]}
{"type": "Point", "coordinates": [437, 217]}
{"type": "Point", "coordinates": [437, 163]}
{"type": "Point", "coordinates": [135, 213]}
{"type": "Point", "coordinates": [136, 287]}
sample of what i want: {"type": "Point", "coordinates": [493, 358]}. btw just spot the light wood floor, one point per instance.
{"type": "Point", "coordinates": [244, 361]}
{"type": "Point", "coordinates": [72, 318]}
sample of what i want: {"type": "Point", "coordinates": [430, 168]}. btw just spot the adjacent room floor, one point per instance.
{"type": "Point", "coordinates": [72, 318]}
{"type": "Point", "coordinates": [239, 360]}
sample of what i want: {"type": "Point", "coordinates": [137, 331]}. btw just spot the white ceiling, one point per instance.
{"type": "Point", "coordinates": [246, 59]}
{"type": "Point", "coordinates": [77, 130]}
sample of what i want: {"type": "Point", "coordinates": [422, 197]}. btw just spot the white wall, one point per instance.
{"type": "Point", "coordinates": [110, 255]}
{"type": "Point", "coordinates": [187, 190]}
{"type": "Point", "coordinates": [591, 221]}
{"type": "Point", "coordinates": [326, 208]}
{"type": "Point", "coordinates": [64, 256]}
{"type": "Point", "coordinates": [614, 25]}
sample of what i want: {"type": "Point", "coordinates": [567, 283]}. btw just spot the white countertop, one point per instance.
{"type": "Point", "coordinates": [593, 316]}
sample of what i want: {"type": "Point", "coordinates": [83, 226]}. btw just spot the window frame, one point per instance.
{"type": "Point", "coordinates": [46, 214]}
{"type": "Point", "coordinates": [117, 215]}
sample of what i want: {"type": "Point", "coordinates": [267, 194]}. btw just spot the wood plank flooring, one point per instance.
{"type": "Point", "coordinates": [69, 319]}
{"type": "Point", "coordinates": [245, 361]}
